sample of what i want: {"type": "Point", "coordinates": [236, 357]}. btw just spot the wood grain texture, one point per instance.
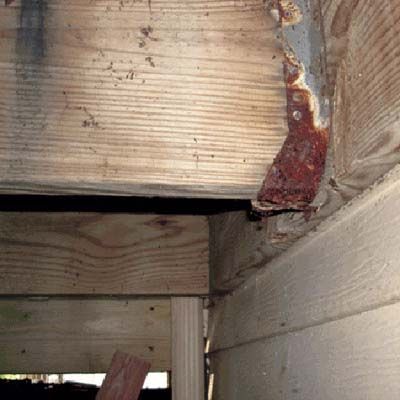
{"type": "Point", "coordinates": [171, 98]}
{"type": "Point", "coordinates": [124, 379]}
{"type": "Point", "coordinates": [67, 336]}
{"type": "Point", "coordinates": [367, 99]}
{"type": "Point", "coordinates": [102, 254]}
{"type": "Point", "coordinates": [351, 359]}
{"type": "Point", "coordinates": [251, 372]}
{"type": "Point", "coordinates": [349, 265]}
{"type": "Point", "coordinates": [362, 38]}
{"type": "Point", "coordinates": [187, 348]}
{"type": "Point", "coordinates": [362, 41]}
{"type": "Point", "coordinates": [239, 247]}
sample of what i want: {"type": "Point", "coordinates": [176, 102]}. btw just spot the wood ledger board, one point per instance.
{"type": "Point", "coordinates": [168, 98]}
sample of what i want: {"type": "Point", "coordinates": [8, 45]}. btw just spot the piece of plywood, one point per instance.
{"type": "Point", "coordinates": [86, 253]}
{"type": "Point", "coordinates": [349, 265]}
{"type": "Point", "coordinates": [67, 335]}
{"type": "Point", "coordinates": [354, 358]}
{"type": "Point", "coordinates": [160, 97]}
{"type": "Point", "coordinates": [187, 348]}
{"type": "Point", "coordinates": [124, 379]}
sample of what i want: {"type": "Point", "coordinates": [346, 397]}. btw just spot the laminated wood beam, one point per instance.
{"type": "Point", "coordinates": [102, 254]}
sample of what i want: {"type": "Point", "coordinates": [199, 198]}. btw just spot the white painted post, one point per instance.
{"type": "Point", "coordinates": [187, 348]}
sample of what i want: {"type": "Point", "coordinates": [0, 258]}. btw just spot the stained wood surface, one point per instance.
{"type": "Point", "coordinates": [97, 254]}
{"type": "Point", "coordinates": [67, 336]}
{"type": "Point", "coordinates": [354, 358]}
{"type": "Point", "coordinates": [181, 98]}
{"type": "Point", "coordinates": [349, 265]}
{"type": "Point", "coordinates": [124, 379]}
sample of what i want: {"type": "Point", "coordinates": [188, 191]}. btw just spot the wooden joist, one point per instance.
{"type": "Point", "coordinates": [323, 315]}
{"type": "Point", "coordinates": [171, 98]}
{"type": "Point", "coordinates": [66, 336]}
{"type": "Point", "coordinates": [102, 254]}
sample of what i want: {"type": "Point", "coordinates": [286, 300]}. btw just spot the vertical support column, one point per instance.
{"type": "Point", "coordinates": [187, 348]}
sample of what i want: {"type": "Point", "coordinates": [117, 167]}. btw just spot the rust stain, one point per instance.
{"type": "Point", "coordinates": [288, 12]}
{"type": "Point", "coordinates": [293, 180]}
{"type": "Point", "coordinates": [296, 172]}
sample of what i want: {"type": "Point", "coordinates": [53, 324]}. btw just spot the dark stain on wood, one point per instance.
{"type": "Point", "coordinates": [150, 61]}
{"type": "Point", "coordinates": [31, 34]}
{"type": "Point", "coordinates": [30, 52]}
{"type": "Point", "coordinates": [147, 31]}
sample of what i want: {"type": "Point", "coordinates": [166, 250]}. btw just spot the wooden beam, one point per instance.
{"type": "Point", "coordinates": [98, 254]}
{"type": "Point", "coordinates": [67, 336]}
{"type": "Point", "coordinates": [187, 348]}
{"type": "Point", "coordinates": [160, 98]}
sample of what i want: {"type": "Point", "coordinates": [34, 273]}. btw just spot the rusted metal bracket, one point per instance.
{"type": "Point", "coordinates": [293, 180]}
